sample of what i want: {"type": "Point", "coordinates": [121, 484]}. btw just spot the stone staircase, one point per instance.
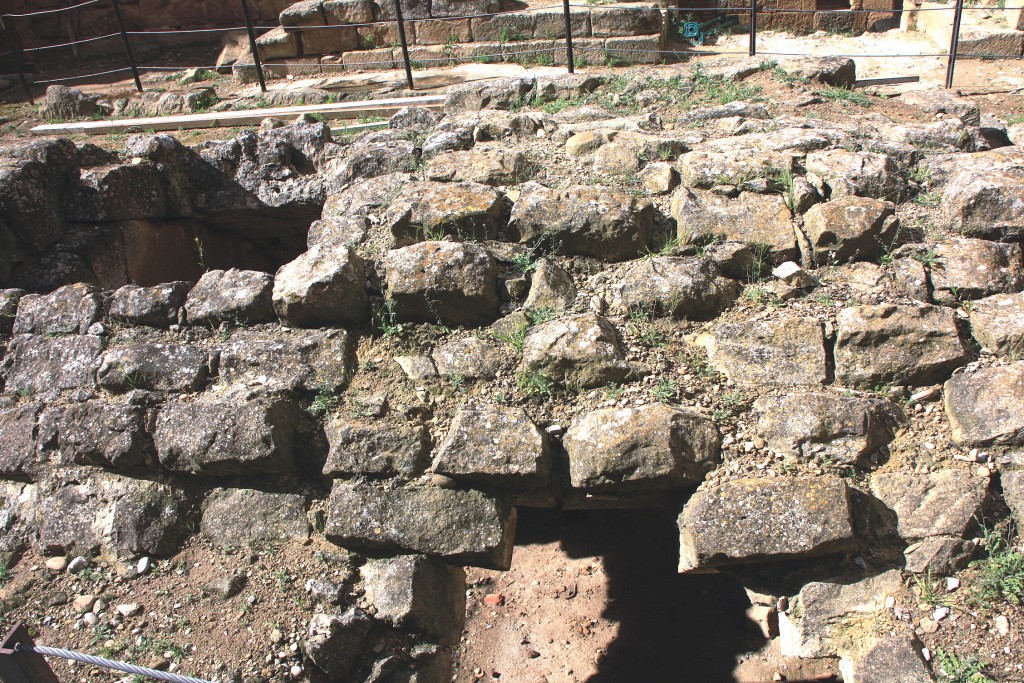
{"type": "Point", "coordinates": [328, 36]}
{"type": "Point", "coordinates": [991, 31]}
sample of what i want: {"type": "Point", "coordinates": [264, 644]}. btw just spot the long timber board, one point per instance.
{"type": "Point", "coordinates": [248, 117]}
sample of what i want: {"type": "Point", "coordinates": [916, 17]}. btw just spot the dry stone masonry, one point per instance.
{"type": "Point", "coordinates": [387, 345]}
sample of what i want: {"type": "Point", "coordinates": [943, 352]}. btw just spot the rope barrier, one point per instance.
{"type": "Point", "coordinates": [78, 78]}
{"type": "Point", "coordinates": [69, 44]}
{"type": "Point", "coordinates": [53, 11]}
{"type": "Point", "coordinates": [107, 663]}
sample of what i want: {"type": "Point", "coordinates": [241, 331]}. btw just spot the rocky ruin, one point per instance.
{"type": "Point", "coordinates": [802, 335]}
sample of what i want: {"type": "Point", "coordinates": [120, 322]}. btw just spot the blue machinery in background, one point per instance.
{"type": "Point", "coordinates": [696, 32]}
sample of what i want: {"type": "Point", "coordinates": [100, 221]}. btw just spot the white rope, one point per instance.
{"type": "Point", "coordinates": [107, 663]}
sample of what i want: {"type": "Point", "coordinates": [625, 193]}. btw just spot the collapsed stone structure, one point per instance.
{"type": "Point", "coordinates": [139, 408]}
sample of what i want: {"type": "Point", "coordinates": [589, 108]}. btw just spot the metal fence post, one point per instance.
{"type": "Point", "coordinates": [405, 44]}
{"type": "Point", "coordinates": [18, 64]}
{"type": "Point", "coordinates": [954, 43]}
{"type": "Point", "coordinates": [22, 667]}
{"type": "Point", "coordinates": [127, 45]}
{"type": "Point", "coordinates": [753, 27]}
{"type": "Point", "coordinates": [568, 38]}
{"type": "Point", "coordinates": [252, 46]}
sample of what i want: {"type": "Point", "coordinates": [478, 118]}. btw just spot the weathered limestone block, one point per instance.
{"type": "Point", "coordinates": [985, 203]}
{"type": "Point", "coordinates": [68, 310]}
{"type": "Point", "coordinates": [336, 641]}
{"type": "Point", "coordinates": [365, 197]}
{"type": "Point", "coordinates": [684, 287]}
{"type": "Point", "coordinates": [369, 161]}
{"type": "Point", "coordinates": [117, 193]}
{"type": "Point", "coordinates": [225, 436]}
{"type": "Point", "coordinates": [376, 448]}
{"type": "Point", "coordinates": [236, 518]}
{"type": "Point", "coordinates": [881, 344]}
{"type": "Point", "coordinates": [821, 614]}
{"type": "Point", "coordinates": [309, 361]}
{"type": "Point", "coordinates": [493, 446]}
{"type": "Point", "coordinates": [580, 350]}
{"type": "Point", "coordinates": [499, 94]}
{"type": "Point", "coordinates": [850, 228]}
{"type": "Point", "coordinates": [550, 287]}
{"type": "Point", "coordinates": [895, 659]}
{"type": "Point", "coordinates": [332, 232]}
{"type": "Point", "coordinates": [109, 513]}
{"type": "Point", "coordinates": [972, 269]}
{"type": "Point", "coordinates": [912, 277]}
{"type": "Point", "coordinates": [155, 306]}
{"type": "Point", "coordinates": [324, 286]}
{"type": "Point", "coordinates": [36, 364]}
{"type": "Point", "coordinates": [944, 503]}
{"type": "Point", "coordinates": [845, 429]}
{"type": "Point", "coordinates": [18, 441]}
{"type": "Point", "coordinates": [276, 44]}
{"type": "Point", "coordinates": [865, 174]}
{"type": "Point", "coordinates": [705, 169]}
{"type": "Point", "coordinates": [464, 527]}
{"type": "Point", "coordinates": [583, 221]}
{"type": "Point", "coordinates": [447, 282]}
{"type": "Point", "coordinates": [418, 593]}
{"type": "Point", "coordinates": [756, 220]}
{"type": "Point", "coordinates": [837, 71]}
{"type": "Point", "coordinates": [157, 367]}
{"type": "Point", "coordinates": [419, 119]}
{"type": "Point", "coordinates": [470, 358]}
{"type": "Point", "coordinates": [987, 406]}
{"type": "Point", "coordinates": [759, 520]}
{"type": "Point", "coordinates": [997, 323]}
{"type": "Point", "coordinates": [105, 434]}
{"type": "Point", "coordinates": [490, 167]}
{"type": "Point", "coordinates": [782, 352]}
{"type": "Point", "coordinates": [234, 295]}
{"type": "Point", "coordinates": [467, 211]}
{"type": "Point", "coordinates": [303, 13]}
{"type": "Point", "coordinates": [648, 448]}
{"type": "Point", "coordinates": [613, 22]}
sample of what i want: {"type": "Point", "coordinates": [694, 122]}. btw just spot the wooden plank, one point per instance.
{"type": "Point", "coordinates": [248, 117]}
{"type": "Point", "coordinates": [894, 80]}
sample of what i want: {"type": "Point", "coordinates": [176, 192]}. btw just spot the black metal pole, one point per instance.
{"type": "Point", "coordinates": [127, 45]}
{"type": "Point", "coordinates": [568, 38]}
{"type": "Point", "coordinates": [405, 44]}
{"type": "Point", "coordinates": [252, 46]}
{"type": "Point", "coordinates": [753, 27]}
{"type": "Point", "coordinates": [954, 43]}
{"type": "Point", "coordinates": [18, 64]}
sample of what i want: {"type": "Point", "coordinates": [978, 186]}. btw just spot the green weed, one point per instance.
{"type": "Point", "coordinates": [665, 390]}
{"type": "Point", "coordinates": [1001, 572]}
{"type": "Point", "coordinates": [956, 669]}
{"type": "Point", "coordinates": [325, 403]}
{"type": "Point", "coordinates": [535, 383]}
{"type": "Point", "coordinates": [845, 95]}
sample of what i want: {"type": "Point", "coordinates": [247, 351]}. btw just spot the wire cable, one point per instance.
{"type": "Point", "coordinates": [107, 663]}
{"type": "Point", "coordinates": [54, 11]}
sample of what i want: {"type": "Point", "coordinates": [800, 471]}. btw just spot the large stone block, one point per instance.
{"type": "Point", "coordinates": [971, 269]}
{"type": "Point", "coordinates": [760, 520]}
{"type": "Point", "coordinates": [155, 306]}
{"type": "Point", "coordinates": [311, 361]}
{"type": "Point", "coordinates": [580, 351]}
{"type": "Point", "coordinates": [324, 286]}
{"type": "Point", "coordinates": [418, 593]}
{"type": "Point", "coordinates": [883, 344]}
{"type": "Point", "coordinates": [239, 296]}
{"type": "Point", "coordinates": [781, 352]}
{"type": "Point", "coordinates": [466, 211]}
{"type": "Point", "coordinates": [157, 367]}
{"type": "Point", "coordinates": [844, 429]}
{"type": "Point", "coordinates": [105, 434]}
{"type": "Point", "coordinates": [987, 406]}
{"type": "Point", "coordinates": [464, 527]}
{"type": "Point", "coordinates": [446, 282]}
{"type": "Point", "coordinates": [376, 449]}
{"type": "Point", "coordinates": [224, 436]}
{"type": "Point", "coordinates": [36, 364]}
{"type": "Point", "coordinates": [997, 323]}
{"type": "Point", "coordinates": [760, 221]}
{"type": "Point", "coordinates": [682, 287]}
{"type": "Point", "coordinates": [18, 441]}
{"type": "Point", "coordinates": [944, 503]}
{"type": "Point", "coordinates": [583, 221]}
{"type": "Point", "coordinates": [648, 448]}
{"type": "Point", "coordinates": [235, 518]}
{"type": "Point", "coordinates": [493, 446]}
{"type": "Point", "coordinates": [69, 310]}
{"type": "Point", "coordinates": [850, 229]}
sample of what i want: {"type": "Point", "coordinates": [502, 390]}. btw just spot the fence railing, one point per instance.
{"type": "Point", "coordinates": [567, 42]}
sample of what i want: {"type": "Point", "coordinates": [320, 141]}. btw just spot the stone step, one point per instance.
{"type": "Point", "coordinates": [315, 32]}
{"type": "Point", "coordinates": [644, 49]}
